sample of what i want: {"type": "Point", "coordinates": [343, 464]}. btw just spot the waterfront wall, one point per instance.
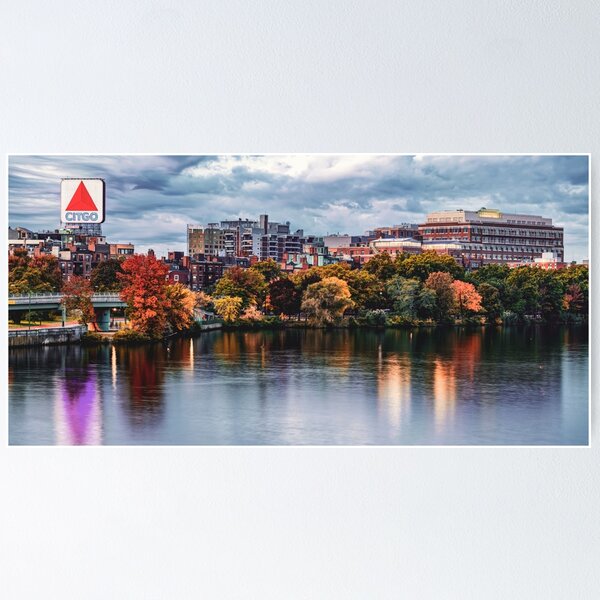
{"type": "Point", "coordinates": [209, 326]}
{"type": "Point", "coordinates": [45, 337]}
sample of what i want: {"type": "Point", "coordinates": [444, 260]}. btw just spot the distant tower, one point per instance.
{"type": "Point", "coordinates": [264, 223]}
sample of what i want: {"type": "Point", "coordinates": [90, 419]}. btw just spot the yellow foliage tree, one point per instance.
{"type": "Point", "coordinates": [325, 301]}
{"type": "Point", "coordinates": [228, 307]}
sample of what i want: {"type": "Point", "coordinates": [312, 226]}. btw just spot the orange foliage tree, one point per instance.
{"type": "Point", "coordinates": [180, 304]}
{"type": "Point", "coordinates": [466, 297]}
{"type": "Point", "coordinates": [144, 290]}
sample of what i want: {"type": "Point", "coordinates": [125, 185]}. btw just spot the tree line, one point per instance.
{"type": "Point", "coordinates": [406, 290]}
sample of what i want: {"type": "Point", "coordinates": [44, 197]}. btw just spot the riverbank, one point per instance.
{"type": "Point", "coordinates": [18, 338]}
{"type": "Point", "coordinates": [79, 334]}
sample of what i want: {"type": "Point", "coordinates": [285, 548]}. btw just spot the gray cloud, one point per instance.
{"type": "Point", "coordinates": [151, 198]}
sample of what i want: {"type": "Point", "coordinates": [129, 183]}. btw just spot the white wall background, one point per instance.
{"type": "Point", "coordinates": [382, 76]}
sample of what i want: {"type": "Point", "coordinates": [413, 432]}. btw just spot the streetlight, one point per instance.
{"type": "Point", "coordinates": [29, 311]}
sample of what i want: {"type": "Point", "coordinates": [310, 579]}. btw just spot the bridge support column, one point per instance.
{"type": "Point", "coordinates": [103, 318]}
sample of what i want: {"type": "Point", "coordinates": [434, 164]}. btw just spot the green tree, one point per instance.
{"type": "Point", "coordinates": [104, 276]}
{"type": "Point", "coordinates": [420, 266]}
{"type": "Point", "coordinates": [247, 284]}
{"type": "Point", "coordinates": [326, 301]}
{"type": "Point", "coordinates": [427, 302]}
{"type": "Point", "coordinates": [367, 291]}
{"type": "Point", "coordinates": [490, 302]}
{"type": "Point", "coordinates": [493, 274]}
{"type": "Point", "coordinates": [405, 295]}
{"type": "Point", "coordinates": [522, 292]}
{"type": "Point", "coordinates": [381, 265]}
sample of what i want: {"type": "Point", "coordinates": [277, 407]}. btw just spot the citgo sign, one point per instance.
{"type": "Point", "coordinates": [82, 200]}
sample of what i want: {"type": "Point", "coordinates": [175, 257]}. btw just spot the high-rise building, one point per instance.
{"type": "Point", "coordinates": [243, 238]}
{"type": "Point", "coordinates": [195, 240]}
{"type": "Point", "coordinates": [490, 236]}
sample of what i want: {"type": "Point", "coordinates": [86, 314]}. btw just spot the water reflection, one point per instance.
{"type": "Point", "coordinates": [430, 386]}
{"type": "Point", "coordinates": [78, 408]}
{"type": "Point", "coordinates": [143, 368]}
{"type": "Point", "coordinates": [394, 387]}
{"type": "Point", "coordinates": [444, 392]}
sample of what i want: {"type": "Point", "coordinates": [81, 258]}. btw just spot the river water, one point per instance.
{"type": "Point", "coordinates": [395, 387]}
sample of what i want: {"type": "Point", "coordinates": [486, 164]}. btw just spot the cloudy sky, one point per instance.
{"type": "Point", "coordinates": [150, 199]}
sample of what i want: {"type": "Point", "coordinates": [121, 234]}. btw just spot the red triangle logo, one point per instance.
{"type": "Point", "coordinates": [81, 199]}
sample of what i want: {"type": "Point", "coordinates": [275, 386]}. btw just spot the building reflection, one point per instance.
{"type": "Point", "coordinates": [444, 392]}
{"type": "Point", "coordinates": [113, 367]}
{"type": "Point", "coordinates": [78, 409]}
{"type": "Point", "coordinates": [394, 387]}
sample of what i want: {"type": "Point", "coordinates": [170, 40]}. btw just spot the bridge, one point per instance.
{"type": "Point", "coordinates": [102, 302]}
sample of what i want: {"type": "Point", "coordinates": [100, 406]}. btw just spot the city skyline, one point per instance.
{"type": "Point", "coordinates": [321, 194]}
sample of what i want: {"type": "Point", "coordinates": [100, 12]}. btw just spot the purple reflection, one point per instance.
{"type": "Point", "coordinates": [77, 410]}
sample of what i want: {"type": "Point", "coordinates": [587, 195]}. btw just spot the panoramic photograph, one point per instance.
{"type": "Point", "coordinates": [301, 299]}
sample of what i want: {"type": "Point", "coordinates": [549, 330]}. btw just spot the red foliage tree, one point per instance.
{"type": "Point", "coordinates": [144, 290]}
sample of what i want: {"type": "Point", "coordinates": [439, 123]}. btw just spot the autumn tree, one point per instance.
{"type": "Point", "coordinates": [104, 276]}
{"type": "Point", "coordinates": [466, 298]}
{"type": "Point", "coordinates": [302, 279]}
{"type": "Point", "coordinates": [576, 275]}
{"type": "Point", "coordinates": [204, 301]}
{"type": "Point", "coordinates": [441, 284]}
{"type": "Point", "coordinates": [144, 290]}
{"type": "Point", "coordinates": [228, 307]}
{"type": "Point", "coordinates": [33, 274]}
{"type": "Point", "coordinates": [180, 305]}
{"type": "Point", "coordinates": [269, 269]}
{"type": "Point", "coordinates": [573, 300]}
{"type": "Point", "coordinates": [77, 296]}
{"type": "Point", "coordinates": [247, 284]}
{"type": "Point", "coordinates": [326, 301]}
{"type": "Point", "coordinates": [251, 313]}
{"type": "Point", "coordinates": [284, 297]}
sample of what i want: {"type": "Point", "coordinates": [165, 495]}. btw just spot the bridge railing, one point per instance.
{"type": "Point", "coordinates": [40, 298]}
